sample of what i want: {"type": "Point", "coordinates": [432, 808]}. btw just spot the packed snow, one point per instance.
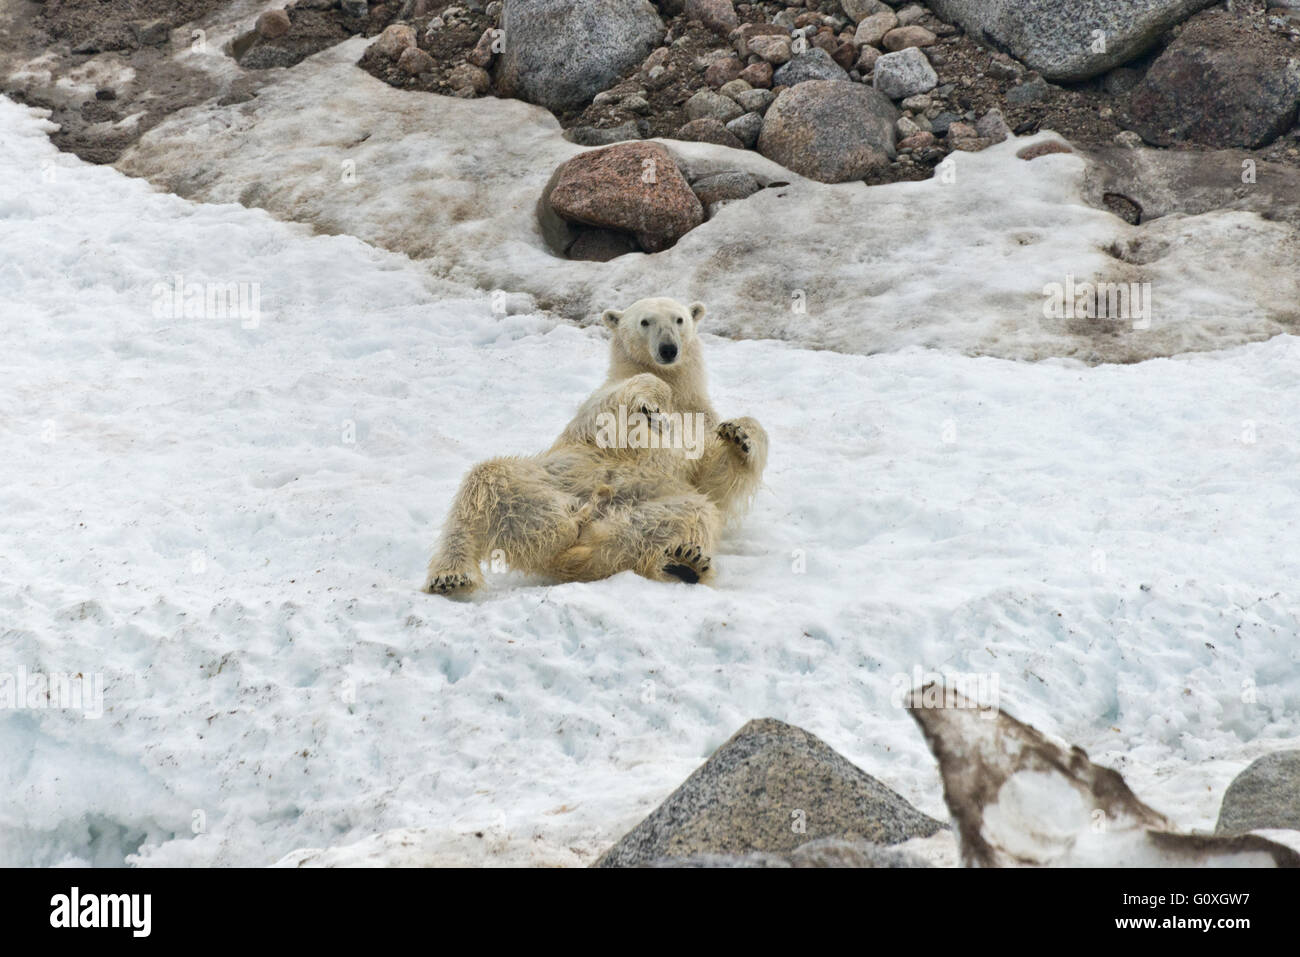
{"type": "Point", "coordinates": [227, 518]}
{"type": "Point", "coordinates": [960, 261]}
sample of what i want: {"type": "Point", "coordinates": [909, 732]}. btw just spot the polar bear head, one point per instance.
{"type": "Point", "coordinates": [654, 332]}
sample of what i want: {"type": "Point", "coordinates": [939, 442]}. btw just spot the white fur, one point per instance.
{"type": "Point", "coordinates": [587, 508]}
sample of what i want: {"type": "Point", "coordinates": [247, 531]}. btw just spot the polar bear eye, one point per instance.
{"type": "Point", "coordinates": [679, 320]}
{"type": "Point", "coordinates": [644, 323]}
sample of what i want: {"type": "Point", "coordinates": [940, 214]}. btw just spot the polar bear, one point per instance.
{"type": "Point", "coordinates": [642, 479]}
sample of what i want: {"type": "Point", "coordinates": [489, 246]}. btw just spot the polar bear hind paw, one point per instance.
{"type": "Point", "coordinates": [452, 583]}
{"type": "Point", "coordinates": [687, 562]}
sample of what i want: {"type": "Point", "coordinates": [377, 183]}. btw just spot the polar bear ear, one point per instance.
{"type": "Point", "coordinates": [610, 317]}
{"type": "Point", "coordinates": [697, 311]}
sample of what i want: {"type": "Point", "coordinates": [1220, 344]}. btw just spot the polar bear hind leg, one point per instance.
{"type": "Point", "coordinates": [666, 539]}
{"type": "Point", "coordinates": [510, 505]}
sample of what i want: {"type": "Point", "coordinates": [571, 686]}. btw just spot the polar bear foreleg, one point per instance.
{"type": "Point", "coordinates": [731, 468]}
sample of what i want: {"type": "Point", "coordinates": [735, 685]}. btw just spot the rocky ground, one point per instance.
{"type": "Point", "coordinates": [703, 52]}
{"type": "Point", "coordinates": [110, 70]}
{"type": "Point", "coordinates": [891, 90]}
{"type": "Point", "coordinates": [836, 90]}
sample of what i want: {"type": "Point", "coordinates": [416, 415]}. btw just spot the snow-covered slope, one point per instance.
{"type": "Point", "coordinates": [229, 521]}
{"type": "Point", "coordinates": [957, 262]}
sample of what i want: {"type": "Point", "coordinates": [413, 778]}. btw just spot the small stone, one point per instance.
{"type": "Point", "coordinates": [743, 37]}
{"type": "Point", "coordinates": [272, 24]}
{"type": "Point", "coordinates": [962, 131]}
{"type": "Point", "coordinates": [475, 79]}
{"type": "Point", "coordinates": [355, 8]}
{"type": "Point", "coordinates": [734, 87]}
{"type": "Point", "coordinates": [912, 13]}
{"type": "Point", "coordinates": [482, 53]}
{"type": "Point", "coordinates": [707, 104]}
{"type": "Point", "coordinates": [757, 75]}
{"type": "Point", "coordinates": [591, 136]}
{"type": "Point", "coordinates": [706, 60]}
{"type": "Point", "coordinates": [267, 56]}
{"type": "Point", "coordinates": [1128, 139]}
{"type": "Point", "coordinates": [969, 144]}
{"type": "Point", "coordinates": [151, 33]}
{"type": "Point", "coordinates": [1002, 67]}
{"type": "Point", "coordinates": [1030, 91]}
{"type": "Point", "coordinates": [709, 130]}
{"type": "Point", "coordinates": [813, 64]}
{"type": "Point", "coordinates": [106, 93]}
{"type": "Point", "coordinates": [723, 71]}
{"type": "Point", "coordinates": [872, 30]}
{"type": "Point", "coordinates": [858, 10]}
{"type": "Point", "coordinates": [658, 58]}
{"type": "Point", "coordinates": [906, 127]}
{"type": "Point", "coordinates": [414, 61]}
{"type": "Point", "coordinates": [635, 104]}
{"type": "Point", "coordinates": [904, 73]}
{"type": "Point", "coordinates": [917, 141]}
{"type": "Point", "coordinates": [718, 15]}
{"type": "Point", "coordinates": [940, 122]}
{"type": "Point", "coordinates": [992, 126]}
{"type": "Point", "coordinates": [773, 49]}
{"type": "Point", "coordinates": [903, 38]}
{"type": "Point", "coordinates": [395, 38]}
{"type": "Point", "coordinates": [846, 55]}
{"type": "Point", "coordinates": [755, 101]}
{"type": "Point", "coordinates": [918, 103]}
{"type": "Point", "coordinates": [729, 184]}
{"type": "Point", "coordinates": [746, 128]}
{"type": "Point", "coordinates": [867, 59]}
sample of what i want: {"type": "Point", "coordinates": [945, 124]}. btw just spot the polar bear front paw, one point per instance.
{"type": "Point", "coordinates": [736, 434]}
{"type": "Point", "coordinates": [648, 394]}
{"type": "Point", "coordinates": [687, 562]}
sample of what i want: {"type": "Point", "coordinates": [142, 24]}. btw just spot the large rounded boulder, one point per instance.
{"type": "Point", "coordinates": [829, 130]}
{"type": "Point", "coordinates": [1068, 40]}
{"type": "Point", "coordinates": [631, 187]}
{"type": "Point", "coordinates": [561, 53]}
{"type": "Point", "coordinates": [1218, 87]}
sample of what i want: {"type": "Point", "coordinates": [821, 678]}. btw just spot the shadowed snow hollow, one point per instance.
{"type": "Point", "coordinates": [958, 262]}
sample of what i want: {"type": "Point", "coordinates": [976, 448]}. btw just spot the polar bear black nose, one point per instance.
{"type": "Point", "coordinates": [667, 352]}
